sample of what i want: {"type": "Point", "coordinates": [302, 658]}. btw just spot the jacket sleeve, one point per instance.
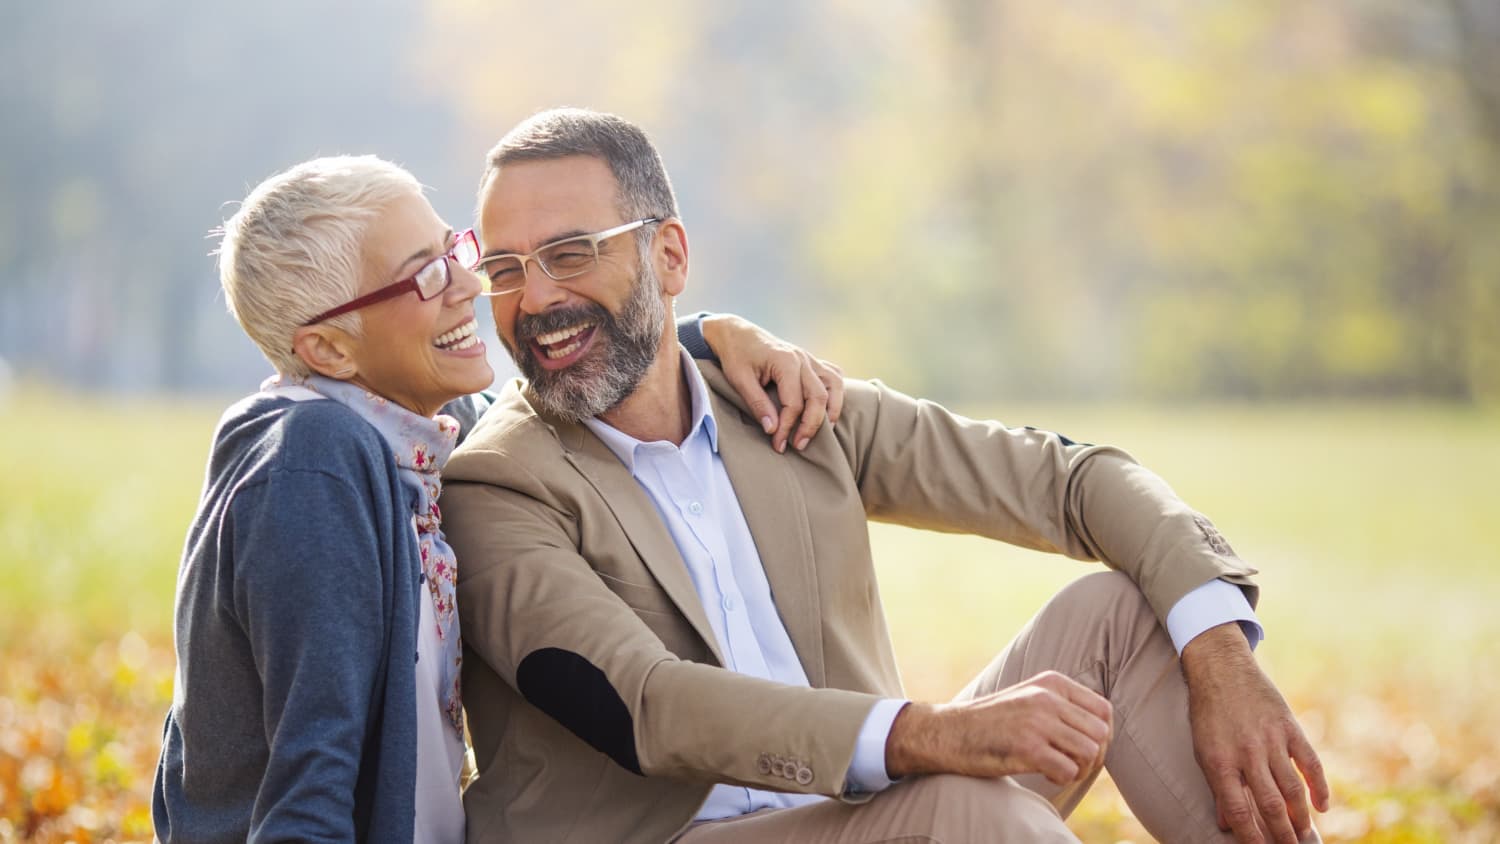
{"type": "Point", "coordinates": [538, 615]}
{"type": "Point", "coordinates": [920, 465]}
{"type": "Point", "coordinates": [313, 609]}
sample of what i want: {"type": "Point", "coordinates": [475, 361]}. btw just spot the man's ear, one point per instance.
{"type": "Point", "coordinates": [326, 350]}
{"type": "Point", "coordinates": [670, 252]}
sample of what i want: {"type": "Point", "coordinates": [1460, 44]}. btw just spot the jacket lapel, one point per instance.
{"type": "Point", "coordinates": [772, 502]}
{"type": "Point", "coordinates": [640, 521]}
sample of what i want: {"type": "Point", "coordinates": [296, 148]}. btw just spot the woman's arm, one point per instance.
{"type": "Point", "coordinates": [311, 601]}
{"type": "Point", "coordinates": [752, 358]}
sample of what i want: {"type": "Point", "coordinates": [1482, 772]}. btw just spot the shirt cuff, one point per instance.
{"type": "Point", "coordinates": [1215, 602]}
{"type": "Point", "coordinates": [867, 770]}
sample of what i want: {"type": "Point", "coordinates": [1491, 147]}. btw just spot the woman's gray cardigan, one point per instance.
{"type": "Point", "coordinates": [294, 709]}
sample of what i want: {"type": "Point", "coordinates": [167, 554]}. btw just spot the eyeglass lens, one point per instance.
{"type": "Point", "coordinates": [561, 260]}
{"type": "Point", "coordinates": [466, 250]}
{"type": "Point", "coordinates": [433, 278]}
{"type": "Point", "coordinates": [437, 275]}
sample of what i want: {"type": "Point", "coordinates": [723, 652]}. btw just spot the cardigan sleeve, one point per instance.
{"type": "Point", "coordinates": [690, 335]}
{"type": "Point", "coordinates": [309, 593]}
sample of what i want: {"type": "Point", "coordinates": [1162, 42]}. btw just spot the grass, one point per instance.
{"type": "Point", "coordinates": [1375, 526]}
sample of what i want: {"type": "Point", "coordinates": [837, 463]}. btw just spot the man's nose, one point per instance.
{"type": "Point", "coordinates": [539, 291]}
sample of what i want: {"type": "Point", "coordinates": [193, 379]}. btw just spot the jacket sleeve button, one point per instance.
{"type": "Point", "coordinates": [804, 775]}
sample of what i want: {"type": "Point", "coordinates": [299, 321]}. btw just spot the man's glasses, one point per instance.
{"type": "Point", "coordinates": [560, 259]}
{"type": "Point", "coordinates": [429, 281]}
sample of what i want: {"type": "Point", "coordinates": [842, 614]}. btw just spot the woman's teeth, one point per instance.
{"type": "Point", "coordinates": [459, 338]}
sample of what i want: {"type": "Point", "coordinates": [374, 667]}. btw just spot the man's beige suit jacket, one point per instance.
{"type": "Point", "coordinates": [596, 699]}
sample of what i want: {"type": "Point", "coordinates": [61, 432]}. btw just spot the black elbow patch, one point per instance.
{"type": "Point", "coordinates": [577, 694]}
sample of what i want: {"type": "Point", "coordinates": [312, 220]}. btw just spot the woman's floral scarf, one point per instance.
{"type": "Point", "coordinates": [421, 447]}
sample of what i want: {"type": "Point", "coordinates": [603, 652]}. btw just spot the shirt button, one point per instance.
{"type": "Point", "coordinates": [730, 603]}
{"type": "Point", "coordinates": [695, 508]}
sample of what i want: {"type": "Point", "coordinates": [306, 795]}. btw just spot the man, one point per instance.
{"type": "Point", "coordinates": [675, 630]}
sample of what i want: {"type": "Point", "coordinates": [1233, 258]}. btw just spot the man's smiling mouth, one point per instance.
{"type": "Point", "coordinates": [556, 345]}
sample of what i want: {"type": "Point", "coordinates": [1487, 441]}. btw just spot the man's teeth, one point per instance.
{"type": "Point", "coordinates": [569, 349]}
{"type": "Point", "coordinates": [459, 338]}
{"type": "Point", "coordinates": [569, 336]}
{"type": "Point", "coordinates": [562, 334]}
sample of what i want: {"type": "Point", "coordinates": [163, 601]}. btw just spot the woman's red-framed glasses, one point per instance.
{"type": "Point", "coordinates": [429, 281]}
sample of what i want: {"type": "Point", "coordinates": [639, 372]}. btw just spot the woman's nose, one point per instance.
{"type": "Point", "coordinates": [466, 284]}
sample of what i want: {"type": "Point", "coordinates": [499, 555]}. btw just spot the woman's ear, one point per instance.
{"type": "Point", "coordinates": [326, 351]}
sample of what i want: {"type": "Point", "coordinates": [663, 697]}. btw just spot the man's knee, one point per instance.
{"type": "Point", "coordinates": [955, 809]}
{"type": "Point", "coordinates": [1094, 593]}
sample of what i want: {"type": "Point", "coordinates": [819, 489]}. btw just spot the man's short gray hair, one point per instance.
{"type": "Point", "coordinates": [644, 189]}
{"type": "Point", "coordinates": [295, 248]}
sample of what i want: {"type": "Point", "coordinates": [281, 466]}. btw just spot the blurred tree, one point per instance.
{"type": "Point", "coordinates": [1477, 25]}
{"type": "Point", "coordinates": [1178, 200]}
{"type": "Point", "coordinates": [130, 131]}
{"type": "Point", "coordinates": [972, 199]}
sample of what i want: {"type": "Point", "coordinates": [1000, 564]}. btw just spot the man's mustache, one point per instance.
{"type": "Point", "coordinates": [531, 326]}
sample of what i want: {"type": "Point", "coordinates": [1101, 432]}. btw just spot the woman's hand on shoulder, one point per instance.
{"type": "Point", "coordinates": [810, 390]}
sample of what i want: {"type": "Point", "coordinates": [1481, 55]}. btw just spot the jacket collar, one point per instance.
{"type": "Point", "coordinates": [772, 503]}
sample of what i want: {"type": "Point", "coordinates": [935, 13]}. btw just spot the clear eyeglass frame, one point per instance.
{"type": "Point", "coordinates": [562, 259]}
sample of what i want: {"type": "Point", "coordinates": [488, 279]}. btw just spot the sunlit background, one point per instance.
{"type": "Point", "coordinates": [1255, 243]}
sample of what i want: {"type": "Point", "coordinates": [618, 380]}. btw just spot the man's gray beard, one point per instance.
{"type": "Point", "coordinates": [597, 382]}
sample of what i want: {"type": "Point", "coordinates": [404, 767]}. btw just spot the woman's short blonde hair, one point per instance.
{"type": "Point", "coordinates": [295, 248]}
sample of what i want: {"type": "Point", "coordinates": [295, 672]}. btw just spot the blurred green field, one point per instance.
{"type": "Point", "coordinates": [1376, 527]}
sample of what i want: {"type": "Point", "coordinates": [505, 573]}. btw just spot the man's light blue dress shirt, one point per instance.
{"type": "Point", "coordinates": [692, 492]}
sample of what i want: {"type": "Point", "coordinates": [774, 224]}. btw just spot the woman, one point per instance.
{"type": "Point", "coordinates": [317, 691]}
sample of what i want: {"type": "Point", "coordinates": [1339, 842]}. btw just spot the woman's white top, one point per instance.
{"type": "Point", "coordinates": [440, 752]}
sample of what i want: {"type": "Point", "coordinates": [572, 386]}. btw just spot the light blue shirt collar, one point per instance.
{"type": "Point", "coordinates": [703, 423]}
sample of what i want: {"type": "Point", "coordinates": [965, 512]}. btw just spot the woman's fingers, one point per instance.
{"type": "Point", "coordinates": [815, 404]}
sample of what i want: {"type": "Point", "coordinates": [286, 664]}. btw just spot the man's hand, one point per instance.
{"type": "Point", "coordinates": [1049, 724]}
{"type": "Point", "coordinates": [753, 357]}
{"type": "Point", "coordinates": [1247, 742]}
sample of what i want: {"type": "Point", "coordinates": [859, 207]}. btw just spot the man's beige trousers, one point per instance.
{"type": "Point", "coordinates": [1099, 631]}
